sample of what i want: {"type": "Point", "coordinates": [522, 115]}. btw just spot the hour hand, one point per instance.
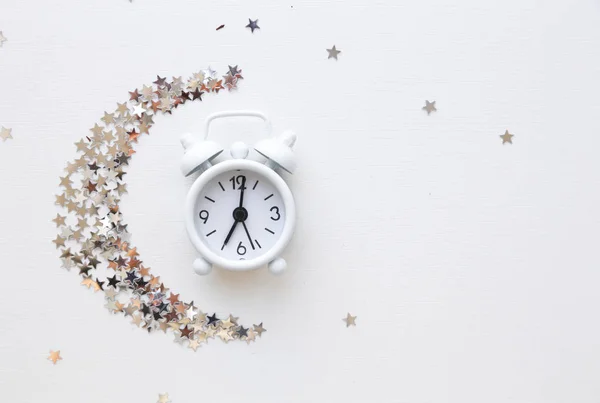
{"type": "Point", "coordinates": [242, 188]}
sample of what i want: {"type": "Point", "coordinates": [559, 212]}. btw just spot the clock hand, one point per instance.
{"type": "Point", "coordinates": [247, 233]}
{"type": "Point", "coordinates": [242, 188]}
{"type": "Point", "coordinates": [230, 233]}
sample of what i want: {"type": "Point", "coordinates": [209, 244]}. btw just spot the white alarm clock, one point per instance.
{"type": "Point", "coordinates": [239, 213]}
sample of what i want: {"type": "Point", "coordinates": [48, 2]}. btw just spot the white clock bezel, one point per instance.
{"type": "Point", "coordinates": [267, 173]}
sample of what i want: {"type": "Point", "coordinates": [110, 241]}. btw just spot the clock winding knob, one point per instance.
{"type": "Point", "coordinates": [239, 150]}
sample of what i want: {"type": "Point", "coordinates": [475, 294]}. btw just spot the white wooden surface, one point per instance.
{"type": "Point", "coordinates": [472, 266]}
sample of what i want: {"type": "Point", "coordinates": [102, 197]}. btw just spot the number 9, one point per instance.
{"type": "Point", "coordinates": [204, 215]}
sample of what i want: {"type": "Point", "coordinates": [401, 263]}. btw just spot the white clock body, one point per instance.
{"type": "Point", "coordinates": [239, 231]}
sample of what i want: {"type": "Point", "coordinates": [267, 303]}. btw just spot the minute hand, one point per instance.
{"type": "Point", "coordinates": [247, 233]}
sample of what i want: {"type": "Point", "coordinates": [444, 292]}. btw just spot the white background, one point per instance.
{"type": "Point", "coordinates": [472, 265]}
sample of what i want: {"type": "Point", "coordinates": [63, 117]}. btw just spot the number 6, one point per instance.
{"type": "Point", "coordinates": [242, 248]}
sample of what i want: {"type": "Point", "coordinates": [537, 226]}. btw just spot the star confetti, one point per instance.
{"type": "Point", "coordinates": [163, 398]}
{"type": "Point", "coordinates": [93, 238]}
{"type": "Point", "coordinates": [507, 137]}
{"type": "Point", "coordinates": [350, 320]}
{"type": "Point", "coordinates": [333, 53]}
{"type": "Point", "coordinates": [259, 329]}
{"type": "Point", "coordinates": [54, 356]}
{"type": "Point", "coordinates": [429, 107]}
{"type": "Point", "coordinates": [2, 39]}
{"type": "Point", "coordinates": [5, 133]}
{"type": "Point", "coordinates": [252, 25]}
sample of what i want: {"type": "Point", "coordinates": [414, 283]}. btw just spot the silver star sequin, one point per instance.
{"type": "Point", "coordinates": [333, 53]}
{"type": "Point", "coordinates": [429, 107]}
{"type": "Point", "coordinates": [252, 25]}
{"type": "Point", "coordinates": [5, 133]}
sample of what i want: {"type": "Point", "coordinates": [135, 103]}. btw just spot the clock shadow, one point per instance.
{"type": "Point", "coordinates": [242, 279]}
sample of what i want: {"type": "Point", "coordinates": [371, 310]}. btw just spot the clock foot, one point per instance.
{"type": "Point", "coordinates": [202, 267]}
{"type": "Point", "coordinates": [277, 266]}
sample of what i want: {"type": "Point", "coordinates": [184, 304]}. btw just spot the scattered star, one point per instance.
{"type": "Point", "coordinates": [251, 336]}
{"type": "Point", "coordinates": [333, 52]}
{"type": "Point", "coordinates": [54, 356]}
{"type": "Point", "coordinates": [194, 344]}
{"type": "Point", "coordinates": [133, 96]}
{"type": "Point", "coordinates": [59, 220]}
{"type": "Point", "coordinates": [224, 335]}
{"type": "Point", "coordinates": [163, 398]}
{"type": "Point", "coordinates": [252, 25]}
{"type": "Point", "coordinates": [350, 320]}
{"type": "Point", "coordinates": [210, 73]}
{"type": "Point", "coordinates": [233, 70]}
{"type": "Point", "coordinates": [5, 133]}
{"type": "Point", "coordinates": [186, 332]}
{"type": "Point", "coordinates": [259, 329]}
{"type": "Point", "coordinates": [429, 107]}
{"type": "Point", "coordinates": [139, 110]}
{"type": "Point", "coordinates": [242, 332]}
{"type": "Point", "coordinates": [213, 319]}
{"type": "Point", "coordinates": [160, 81]}
{"type": "Point", "coordinates": [226, 324]}
{"type": "Point", "coordinates": [507, 137]}
{"type": "Point", "coordinates": [174, 298]}
{"type": "Point", "coordinates": [2, 39]}
{"type": "Point", "coordinates": [59, 241]}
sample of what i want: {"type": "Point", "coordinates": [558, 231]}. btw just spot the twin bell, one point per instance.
{"type": "Point", "coordinates": [277, 150]}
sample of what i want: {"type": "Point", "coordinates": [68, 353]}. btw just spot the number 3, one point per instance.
{"type": "Point", "coordinates": [276, 212]}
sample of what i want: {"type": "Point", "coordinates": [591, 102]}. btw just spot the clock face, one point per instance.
{"type": "Point", "coordinates": [239, 215]}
